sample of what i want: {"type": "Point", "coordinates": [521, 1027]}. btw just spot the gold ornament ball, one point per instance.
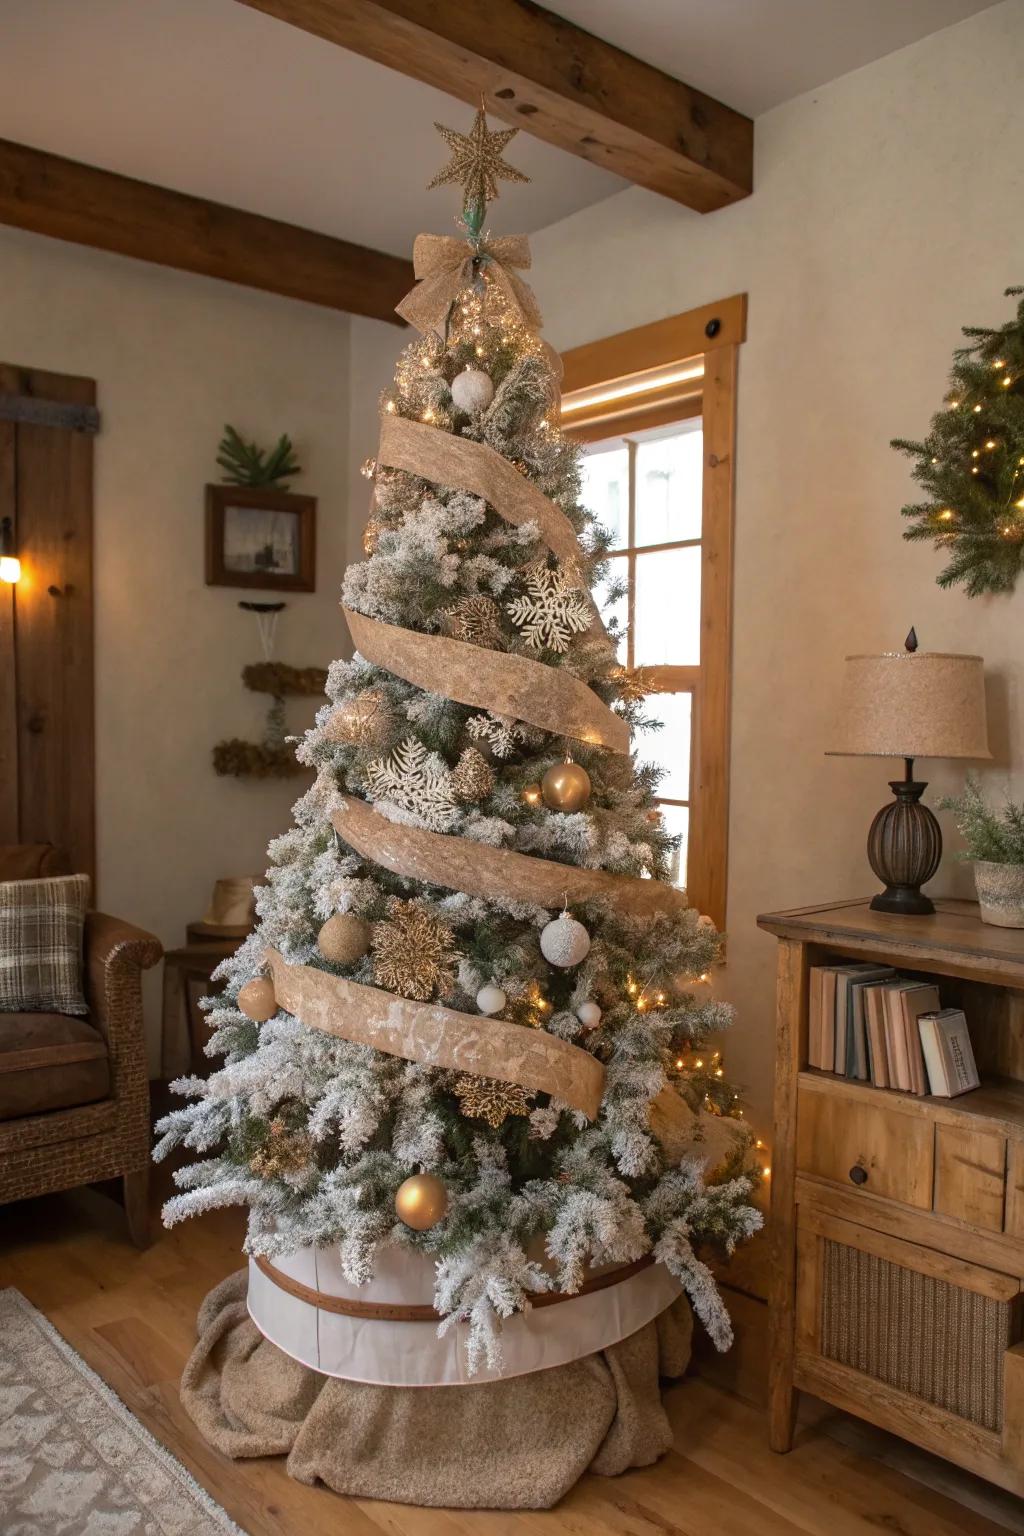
{"type": "Point", "coordinates": [257, 1001]}
{"type": "Point", "coordinates": [344, 938]}
{"type": "Point", "coordinates": [566, 787]}
{"type": "Point", "coordinates": [421, 1201]}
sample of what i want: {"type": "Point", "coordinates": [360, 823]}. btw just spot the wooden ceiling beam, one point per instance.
{"type": "Point", "coordinates": [70, 201]}
{"type": "Point", "coordinates": [560, 83]}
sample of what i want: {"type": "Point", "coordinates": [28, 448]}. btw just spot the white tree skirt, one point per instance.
{"type": "Point", "coordinates": [410, 1354]}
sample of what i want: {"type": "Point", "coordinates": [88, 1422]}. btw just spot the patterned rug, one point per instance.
{"type": "Point", "coordinates": [73, 1460]}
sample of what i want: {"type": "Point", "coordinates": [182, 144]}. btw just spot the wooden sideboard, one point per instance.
{"type": "Point", "coordinates": [897, 1222]}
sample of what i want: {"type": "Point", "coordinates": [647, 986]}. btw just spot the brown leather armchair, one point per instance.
{"type": "Point", "coordinates": [74, 1093]}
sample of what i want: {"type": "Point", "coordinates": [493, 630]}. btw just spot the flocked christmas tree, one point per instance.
{"type": "Point", "coordinates": [473, 1014]}
{"type": "Point", "coordinates": [971, 464]}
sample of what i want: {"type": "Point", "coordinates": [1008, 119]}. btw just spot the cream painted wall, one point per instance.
{"type": "Point", "coordinates": [889, 211]}
{"type": "Point", "coordinates": [174, 357]}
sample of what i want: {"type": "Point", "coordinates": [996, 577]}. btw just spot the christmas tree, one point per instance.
{"type": "Point", "coordinates": [971, 464]}
{"type": "Point", "coordinates": [472, 1018]}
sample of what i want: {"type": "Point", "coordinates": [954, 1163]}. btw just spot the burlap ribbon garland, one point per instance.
{"type": "Point", "coordinates": [550, 698]}
{"type": "Point", "coordinates": [457, 864]}
{"type": "Point", "coordinates": [450, 460]}
{"type": "Point", "coordinates": [444, 266]}
{"type": "Point", "coordinates": [438, 1036]}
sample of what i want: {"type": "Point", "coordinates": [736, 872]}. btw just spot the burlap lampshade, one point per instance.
{"type": "Point", "coordinates": [912, 704]}
{"type": "Point", "coordinates": [909, 704]}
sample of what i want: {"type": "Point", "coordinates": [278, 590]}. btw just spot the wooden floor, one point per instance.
{"type": "Point", "coordinates": [132, 1316]}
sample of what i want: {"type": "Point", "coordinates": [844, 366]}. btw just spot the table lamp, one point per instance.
{"type": "Point", "coordinates": [909, 704]}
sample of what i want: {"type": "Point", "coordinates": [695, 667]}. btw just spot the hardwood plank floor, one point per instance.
{"type": "Point", "coordinates": [132, 1317]}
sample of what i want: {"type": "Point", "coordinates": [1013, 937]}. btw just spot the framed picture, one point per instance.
{"type": "Point", "coordinates": [260, 538]}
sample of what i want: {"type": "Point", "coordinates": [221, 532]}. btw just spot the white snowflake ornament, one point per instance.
{"type": "Point", "coordinates": [416, 781]}
{"type": "Point", "coordinates": [551, 610]}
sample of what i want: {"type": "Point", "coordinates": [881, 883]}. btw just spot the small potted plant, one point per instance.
{"type": "Point", "coordinates": [995, 843]}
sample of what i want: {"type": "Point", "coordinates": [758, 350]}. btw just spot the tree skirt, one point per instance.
{"type": "Point", "coordinates": [511, 1444]}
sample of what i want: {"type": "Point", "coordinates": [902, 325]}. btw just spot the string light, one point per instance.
{"type": "Point", "coordinates": [977, 408]}
{"type": "Point", "coordinates": [1007, 381]}
{"type": "Point", "coordinates": [999, 363]}
{"type": "Point", "coordinates": [946, 515]}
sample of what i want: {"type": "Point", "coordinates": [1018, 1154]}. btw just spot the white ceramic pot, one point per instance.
{"type": "Point", "coordinates": [1000, 893]}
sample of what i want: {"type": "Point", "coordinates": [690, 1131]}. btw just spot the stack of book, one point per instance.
{"type": "Point", "coordinates": [870, 1024]}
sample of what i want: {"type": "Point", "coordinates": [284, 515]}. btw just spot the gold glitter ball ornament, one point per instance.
{"type": "Point", "coordinates": [257, 1001]}
{"type": "Point", "coordinates": [344, 938]}
{"type": "Point", "coordinates": [421, 1201]}
{"type": "Point", "coordinates": [472, 778]}
{"type": "Point", "coordinates": [413, 951]}
{"type": "Point", "coordinates": [566, 786]}
{"type": "Point", "coordinates": [365, 721]}
{"type": "Point", "coordinates": [476, 163]}
{"type": "Point", "coordinates": [485, 1098]}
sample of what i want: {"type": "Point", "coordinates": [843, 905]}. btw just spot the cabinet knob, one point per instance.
{"type": "Point", "coordinates": [858, 1175]}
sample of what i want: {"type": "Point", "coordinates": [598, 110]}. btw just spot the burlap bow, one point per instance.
{"type": "Point", "coordinates": [445, 266]}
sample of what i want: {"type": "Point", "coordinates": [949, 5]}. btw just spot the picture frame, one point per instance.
{"type": "Point", "coordinates": [260, 537]}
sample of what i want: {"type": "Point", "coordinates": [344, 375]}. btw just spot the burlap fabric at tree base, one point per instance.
{"type": "Point", "coordinates": [515, 1444]}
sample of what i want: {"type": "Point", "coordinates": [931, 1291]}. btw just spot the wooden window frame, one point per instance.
{"type": "Point", "coordinates": [713, 333]}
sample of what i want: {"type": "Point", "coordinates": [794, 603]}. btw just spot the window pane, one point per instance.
{"type": "Point", "coordinates": [668, 487]}
{"type": "Point", "coordinates": [677, 824]}
{"type": "Point", "coordinates": [669, 748]}
{"type": "Point", "coordinates": [606, 491]}
{"type": "Point", "coordinates": [667, 615]}
{"type": "Point", "coordinates": [617, 570]}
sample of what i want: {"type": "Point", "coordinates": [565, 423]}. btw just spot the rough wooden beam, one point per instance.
{"type": "Point", "coordinates": [562, 84]}
{"type": "Point", "coordinates": [53, 196]}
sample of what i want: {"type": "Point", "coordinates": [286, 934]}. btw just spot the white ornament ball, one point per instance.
{"type": "Point", "coordinates": [490, 999]}
{"type": "Point", "coordinates": [589, 1015]}
{"type": "Point", "coordinates": [472, 391]}
{"type": "Point", "coordinates": [564, 942]}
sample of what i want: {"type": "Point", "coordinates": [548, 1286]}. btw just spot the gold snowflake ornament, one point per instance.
{"type": "Point", "coordinates": [485, 1098]}
{"type": "Point", "coordinates": [476, 164]}
{"type": "Point", "coordinates": [413, 951]}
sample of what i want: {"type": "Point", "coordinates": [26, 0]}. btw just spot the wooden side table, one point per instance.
{"type": "Point", "coordinates": [897, 1225]}
{"type": "Point", "coordinates": [187, 977]}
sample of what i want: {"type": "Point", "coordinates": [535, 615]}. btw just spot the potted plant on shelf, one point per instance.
{"type": "Point", "coordinates": [995, 843]}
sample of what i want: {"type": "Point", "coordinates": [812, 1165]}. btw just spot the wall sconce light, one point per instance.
{"type": "Point", "coordinates": [10, 565]}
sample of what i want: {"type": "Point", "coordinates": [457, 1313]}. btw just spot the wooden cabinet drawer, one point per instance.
{"type": "Point", "coordinates": [859, 1142]}
{"type": "Point", "coordinates": [1015, 1189]}
{"type": "Point", "coordinates": [970, 1175]}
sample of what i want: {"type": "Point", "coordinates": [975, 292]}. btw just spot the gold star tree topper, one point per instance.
{"type": "Point", "coordinates": [476, 163]}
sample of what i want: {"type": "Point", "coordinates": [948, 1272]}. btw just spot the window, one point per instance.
{"type": "Point", "coordinates": [658, 424]}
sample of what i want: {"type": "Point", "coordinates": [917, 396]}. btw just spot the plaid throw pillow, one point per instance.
{"type": "Point", "coordinates": [41, 923]}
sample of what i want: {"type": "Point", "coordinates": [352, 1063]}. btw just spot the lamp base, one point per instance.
{"type": "Point", "coordinates": [904, 849]}
{"type": "Point", "coordinates": [904, 899]}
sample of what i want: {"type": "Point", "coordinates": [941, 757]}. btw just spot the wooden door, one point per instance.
{"type": "Point", "coordinates": [47, 748]}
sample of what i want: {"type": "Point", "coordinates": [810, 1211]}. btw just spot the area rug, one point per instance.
{"type": "Point", "coordinates": [73, 1460]}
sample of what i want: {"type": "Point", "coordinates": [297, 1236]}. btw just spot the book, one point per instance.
{"type": "Point", "coordinates": [874, 1015]}
{"type": "Point", "coordinates": [895, 1038]}
{"type": "Point", "coordinates": [815, 1020]}
{"type": "Point", "coordinates": [948, 1053]}
{"type": "Point", "coordinates": [917, 998]}
{"type": "Point", "coordinates": [851, 1046]}
{"type": "Point", "coordinates": [859, 1062]}
{"type": "Point", "coordinates": [829, 981]}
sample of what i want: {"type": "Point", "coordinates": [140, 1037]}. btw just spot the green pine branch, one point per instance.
{"type": "Point", "coordinates": [247, 464]}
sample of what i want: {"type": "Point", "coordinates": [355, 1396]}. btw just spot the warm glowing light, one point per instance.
{"type": "Point", "coordinates": [428, 414]}
{"type": "Point", "coordinates": [719, 1071]}
{"type": "Point", "coordinates": [758, 1144]}
{"type": "Point", "coordinates": [999, 363]}
{"type": "Point", "coordinates": [622, 389]}
{"type": "Point", "coordinates": [945, 515]}
{"type": "Point", "coordinates": [699, 1062]}
{"type": "Point", "coordinates": [390, 407]}
{"type": "Point", "coordinates": [991, 443]}
{"type": "Point", "coordinates": [1019, 503]}
{"type": "Point", "coordinates": [680, 1064]}
{"type": "Point", "coordinates": [766, 1171]}
{"type": "Point", "coordinates": [976, 453]}
{"type": "Point", "coordinates": [977, 408]}
{"type": "Point", "coordinates": [10, 569]}
{"type": "Point", "coordinates": [1006, 384]}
